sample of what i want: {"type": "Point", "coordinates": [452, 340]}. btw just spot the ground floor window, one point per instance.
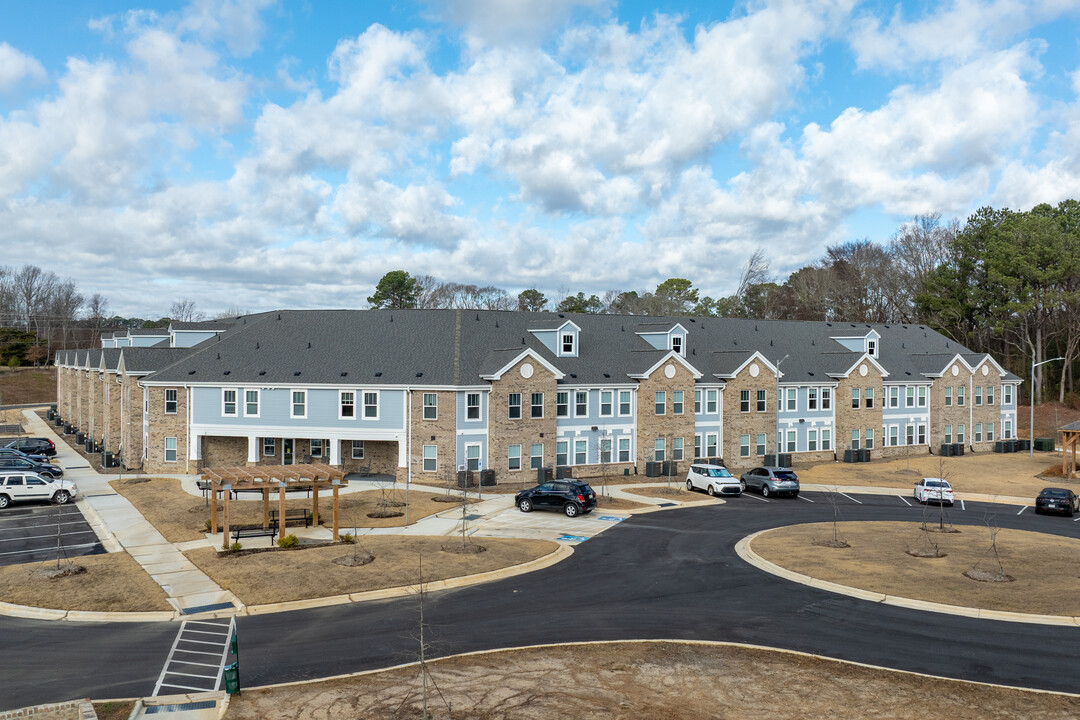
{"type": "Point", "coordinates": [605, 450]}
{"type": "Point", "coordinates": [677, 449]}
{"type": "Point", "coordinates": [514, 455]}
{"type": "Point", "coordinates": [624, 449]}
{"type": "Point", "coordinates": [826, 439]}
{"type": "Point", "coordinates": [581, 452]}
{"type": "Point", "coordinates": [269, 446]}
{"type": "Point", "coordinates": [431, 458]}
{"type": "Point", "coordinates": [948, 434]}
{"type": "Point", "coordinates": [910, 431]}
{"type": "Point", "coordinates": [562, 453]}
{"type": "Point", "coordinates": [316, 448]}
{"type": "Point", "coordinates": [357, 449]}
{"type": "Point", "coordinates": [472, 456]}
{"type": "Point", "coordinates": [762, 441]}
{"type": "Point", "coordinates": [894, 435]}
{"type": "Point", "coordinates": [791, 441]}
{"type": "Point", "coordinates": [170, 449]}
{"type": "Point", "coordinates": [1007, 430]}
{"type": "Point", "coordinates": [960, 434]}
{"type": "Point", "coordinates": [660, 449]}
{"type": "Point", "coordinates": [744, 446]}
{"type": "Point", "coordinates": [978, 432]}
{"type": "Point", "coordinates": [811, 440]}
{"type": "Point", "coordinates": [989, 432]}
{"type": "Point", "coordinates": [711, 444]}
{"type": "Point", "coordinates": [536, 456]}
{"type": "Point", "coordinates": [869, 438]}
{"type": "Point", "coordinates": [697, 445]}
{"type": "Point", "coordinates": [855, 440]}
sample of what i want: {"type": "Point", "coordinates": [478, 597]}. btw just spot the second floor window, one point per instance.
{"type": "Point", "coordinates": [228, 402]}
{"type": "Point", "coordinates": [581, 404]}
{"type": "Point", "coordinates": [251, 402]}
{"type": "Point", "coordinates": [562, 403]}
{"type": "Point", "coordinates": [624, 403]}
{"type": "Point", "coordinates": [855, 404]}
{"type": "Point", "coordinates": [710, 401]}
{"type": "Point", "coordinates": [744, 401]}
{"type": "Point", "coordinates": [660, 403]}
{"type": "Point", "coordinates": [170, 402]}
{"type": "Point", "coordinates": [348, 404]}
{"type": "Point", "coordinates": [677, 402]}
{"type": "Point", "coordinates": [371, 405]}
{"type": "Point", "coordinates": [811, 399]}
{"type": "Point", "coordinates": [514, 401]}
{"type": "Point", "coordinates": [869, 398]}
{"type": "Point", "coordinates": [605, 403]}
{"type": "Point", "coordinates": [537, 405]}
{"type": "Point", "coordinates": [299, 404]}
{"type": "Point", "coordinates": [431, 406]}
{"type": "Point", "coordinates": [568, 344]}
{"type": "Point", "coordinates": [472, 406]}
{"type": "Point", "coordinates": [826, 400]}
{"type": "Point", "coordinates": [761, 398]}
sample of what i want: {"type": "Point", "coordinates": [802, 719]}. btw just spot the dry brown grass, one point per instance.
{"type": "Point", "coordinates": [1046, 567]}
{"type": "Point", "coordinates": [987, 473]}
{"type": "Point", "coordinates": [301, 574]}
{"type": "Point", "coordinates": [606, 502]}
{"type": "Point", "coordinates": [652, 681]}
{"type": "Point", "coordinates": [676, 493]}
{"type": "Point", "coordinates": [113, 582]}
{"type": "Point", "coordinates": [27, 385]}
{"type": "Point", "coordinates": [181, 517]}
{"type": "Point", "coordinates": [114, 710]}
{"type": "Point", "coordinates": [12, 417]}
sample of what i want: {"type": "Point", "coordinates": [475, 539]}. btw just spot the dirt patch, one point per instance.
{"type": "Point", "coordinates": [650, 681]}
{"type": "Point", "coordinates": [989, 473]}
{"type": "Point", "coordinates": [282, 576]}
{"type": "Point", "coordinates": [54, 572]}
{"type": "Point", "coordinates": [21, 386]}
{"type": "Point", "coordinates": [1045, 567]}
{"type": "Point", "coordinates": [667, 493]}
{"type": "Point", "coordinates": [113, 582]}
{"type": "Point", "coordinates": [114, 710]}
{"type": "Point", "coordinates": [468, 548]}
{"type": "Point", "coordinates": [180, 516]}
{"type": "Point", "coordinates": [613, 503]}
{"type": "Point", "coordinates": [360, 559]}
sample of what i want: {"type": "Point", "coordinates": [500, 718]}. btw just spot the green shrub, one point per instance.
{"type": "Point", "coordinates": [346, 538]}
{"type": "Point", "coordinates": [288, 541]}
{"type": "Point", "coordinates": [207, 524]}
{"type": "Point", "coordinates": [236, 547]}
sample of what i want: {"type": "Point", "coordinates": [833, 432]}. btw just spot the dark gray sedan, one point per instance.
{"type": "Point", "coordinates": [771, 481]}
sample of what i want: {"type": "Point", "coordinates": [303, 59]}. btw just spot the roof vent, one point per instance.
{"type": "Point", "coordinates": [607, 375]}
{"type": "Point", "coordinates": [852, 324]}
{"type": "Point", "coordinates": [886, 327]}
{"type": "Point", "coordinates": [419, 374]}
{"type": "Point", "coordinates": [573, 375]}
{"type": "Point", "coordinates": [903, 345]}
{"type": "Point", "coordinates": [297, 373]}
{"type": "Point", "coordinates": [829, 324]}
{"type": "Point", "coordinates": [344, 374]}
{"type": "Point", "coordinates": [561, 315]}
{"type": "Point", "coordinates": [813, 342]}
{"type": "Point", "coordinates": [309, 346]}
{"type": "Point", "coordinates": [496, 323]}
{"type": "Point", "coordinates": [219, 356]}
{"type": "Point", "coordinates": [477, 316]}
{"type": "Point", "coordinates": [810, 373]}
{"type": "Point", "coordinates": [925, 335]}
{"type": "Point", "coordinates": [262, 372]}
{"type": "Point", "coordinates": [693, 320]}
{"type": "Point", "coordinates": [735, 342]}
{"type": "Point", "coordinates": [227, 372]}
{"type": "Point", "coordinates": [755, 328]}
{"type": "Point", "coordinates": [256, 346]}
{"type": "Point", "coordinates": [522, 341]}
{"type": "Point", "coordinates": [378, 374]}
{"type": "Point", "coordinates": [190, 372]}
{"type": "Point", "coordinates": [279, 316]}
{"type": "Point", "coordinates": [907, 372]}
{"type": "Point", "coordinates": [693, 351]}
{"type": "Point", "coordinates": [391, 318]}
{"type": "Point", "coordinates": [770, 343]}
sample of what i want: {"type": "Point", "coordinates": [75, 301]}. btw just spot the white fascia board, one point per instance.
{"type": "Point", "coordinates": [557, 328]}
{"type": "Point", "coordinates": [989, 358]}
{"type": "Point", "coordinates": [287, 431]}
{"type": "Point", "coordinates": [755, 356]}
{"type": "Point", "coordinates": [866, 357]}
{"type": "Point", "coordinates": [526, 353]}
{"type": "Point", "coordinates": [595, 386]}
{"type": "Point", "coordinates": [945, 367]}
{"type": "Point", "coordinates": [670, 354]}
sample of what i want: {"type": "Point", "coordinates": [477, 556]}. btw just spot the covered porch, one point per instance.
{"type": "Point", "coordinates": [224, 481]}
{"type": "Point", "coordinates": [1070, 436]}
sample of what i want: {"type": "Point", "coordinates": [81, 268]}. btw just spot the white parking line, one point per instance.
{"type": "Point", "coordinates": [45, 549]}
{"type": "Point", "coordinates": [50, 535]}
{"type": "Point", "coordinates": [851, 498]}
{"type": "Point", "coordinates": [1075, 519]}
{"type": "Point", "coordinates": [802, 497]}
{"type": "Point", "coordinates": [46, 525]}
{"type": "Point", "coordinates": [1022, 509]}
{"type": "Point", "coordinates": [962, 505]}
{"type": "Point", "coordinates": [755, 497]}
{"type": "Point", "coordinates": [904, 499]}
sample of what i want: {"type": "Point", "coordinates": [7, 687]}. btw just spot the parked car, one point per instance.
{"type": "Point", "coordinates": [771, 481]}
{"type": "Point", "coordinates": [1057, 500]}
{"type": "Point", "coordinates": [21, 487]}
{"type": "Point", "coordinates": [713, 479]}
{"type": "Point", "coordinates": [23, 464]}
{"type": "Point", "coordinates": [572, 497]}
{"type": "Point", "coordinates": [934, 490]}
{"type": "Point", "coordinates": [12, 452]}
{"type": "Point", "coordinates": [32, 445]}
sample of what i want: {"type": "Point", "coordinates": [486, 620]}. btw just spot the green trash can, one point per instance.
{"type": "Point", "coordinates": [232, 678]}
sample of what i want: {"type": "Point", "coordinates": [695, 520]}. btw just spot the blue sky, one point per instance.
{"type": "Point", "coordinates": [255, 154]}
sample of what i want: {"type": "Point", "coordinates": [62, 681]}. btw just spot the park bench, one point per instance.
{"type": "Point", "coordinates": [297, 516]}
{"type": "Point", "coordinates": [253, 531]}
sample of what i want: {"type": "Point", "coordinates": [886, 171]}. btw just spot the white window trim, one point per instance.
{"type": "Point", "coordinates": [791, 399]}
{"type": "Point", "coordinates": [363, 405]}
{"type": "Point", "coordinates": [510, 405]}
{"type": "Point", "coordinates": [611, 404]}
{"type": "Point", "coordinates": [791, 439]}
{"type": "Point", "coordinates": [175, 450]}
{"type": "Point", "coordinates": [165, 401]}
{"type": "Point", "coordinates": [322, 447]}
{"type": "Point", "coordinates": [581, 440]}
{"type": "Point", "coordinates": [479, 407]}
{"type": "Point", "coordinates": [630, 403]}
{"type": "Point", "coordinates": [543, 400]}
{"type": "Point", "coordinates": [715, 444]}
{"type": "Point", "coordinates": [826, 439]}
{"type": "Point", "coordinates": [566, 394]}
{"type": "Point", "coordinates": [678, 445]}
{"type": "Point", "coordinates": [342, 416]}
{"type": "Point", "coordinates": [715, 401]}
{"type": "Point", "coordinates": [659, 401]}
{"type": "Point", "coordinates": [894, 431]}
{"type": "Point", "coordinates": [292, 404]}
{"type": "Point", "coordinates": [424, 458]}
{"type": "Point", "coordinates": [258, 402]}
{"type": "Point", "coordinates": [236, 402]}
{"type": "Point", "coordinates": [479, 454]}
{"type": "Point", "coordinates": [746, 445]}
{"type": "Point", "coordinates": [573, 351]}
{"type": "Point", "coordinates": [680, 341]}
{"type": "Point", "coordinates": [510, 456]}
{"type": "Point", "coordinates": [576, 413]}
{"type": "Point", "coordinates": [909, 396]}
{"type": "Point", "coordinates": [619, 449]}
{"type": "Point", "coordinates": [812, 439]}
{"type": "Point", "coordinates": [541, 455]}
{"type": "Point", "coordinates": [352, 450]}
{"type": "Point", "coordinates": [673, 402]}
{"type": "Point", "coordinates": [273, 445]}
{"type": "Point", "coordinates": [424, 406]}
{"type": "Point", "coordinates": [921, 392]}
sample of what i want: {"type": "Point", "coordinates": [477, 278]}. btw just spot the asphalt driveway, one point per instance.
{"type": "Point", "coordinates": [28, 533]}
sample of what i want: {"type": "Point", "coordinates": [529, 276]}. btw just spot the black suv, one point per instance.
{"type": "Point", "coordinates": [572, 497]}
{"type": "Point", "coordinates": [33, 446]}
{"type": "Point", "coordinates": [44, 469]}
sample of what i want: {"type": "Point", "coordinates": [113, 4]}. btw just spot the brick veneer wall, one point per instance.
{"type": "Point", "coordinates": [737, 423]}
{"type": "Point", "coordinates": [848, 418]}
{"type": "Point", "coordinates": [131, 428]}
{"type": "Point", "coordinates": [985, 413]}
{"type": "Point", "coordinates": [503, 432]}
{"type": "Point", "coordinates": [97, 405]}
{"type": "Point", "coordinates": [441, 432]}
{"type": "Point", "coordinates": [669, 426]}
{"type": "Point", "coordinates": [80, 399]}
{"type": "Point", "coordinates": [940, 416]}
{"type": "Point", "coordinates": [223, 451]}
{"type": "Point", "coordinates": [163, 426]}
{"type": "Point", "coordinates": [113, 412]}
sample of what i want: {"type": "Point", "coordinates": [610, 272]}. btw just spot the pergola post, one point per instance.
{"type": "Point", "coordinates": [281, 510]}
{"type": "Point", "coordinates": [213, 506]}
{"type": "Point", "coordinates": [266, 507]}
{"type": "Point", "coordinates": [225, 535]}
{"type": "Point", "coordinates": [315, 506]}
{"type": "Point", "coordinates": [337, 484]}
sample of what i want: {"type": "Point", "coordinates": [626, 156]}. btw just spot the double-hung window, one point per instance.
{"type": "Point", "coordinates": [910, 433]}
{"type": "Point", "coordinates": [792, 399]}
{"type": "Point", "coordinates": [922, 396]}
{"type": "Point", "coordinates": [1006, 395]}
{"type": "Point", "coordinates": [811, 440]}
{"type": "Point", "coordinates": [581, 452]}
{"type": "Point", "coordinates": [581, 403]}
{"type": "Point", "coordinates": [299, 404]}
{"type": "Point", "coordinates": [472, 406]}
{"type": "Point", "coordinates": [894, 435]}
{"type": "Point", "coordinates": [910, 400]}
{"type": "Point", "coordinates": [744, 402]}
{"type": "Point", "coordinates": [170, 449]}
{"type": "Point", "coordinates": [791, 436]}
{"type": "Point", "coordinates": [251, 403]}
{"type": "Point", "coordinates": [431, 458]}
{"type": "Point", "coordinates": [855, 399]}
{"type": "Point", "coordinates": [357, 449]}
{"type": "Point", "coordinates": [894, 397]}
{"type": "Point", "coordinates": [978, 398]}
{"type": "Point", "coordinates": [677, 448]}
{"type": "Point", "coordinates": [960, 396]}
{"type": "Point", "coordinates": [170, 402]}
{"type": "Point", "coordinates": [431, 406]}
{"type": "Point", "coordinates": [269, 446]}
{"type": "Point", "coordinates": [922, 434]}
{"type": "Point", "coordinates": [624, 403]}
{"type": "Point", "coordinates": [826, 440]}
{"type": "Point", "coordinates": [762, 395]}
{"type": "Point", "coordinates": [697, 402]}
{"type": "Point", "coordinates": [1006, 430]}
{"type": "Point", "coordinates": [811, 399]}
{"type": "Point", "coordinates": [948, 397]}
{"type": "Point", "coordinates": [347, 404]}
{"type": "Point", "coordinates": [989, 432]}
{"type": "Point", "coordinates": [762, 441]}
{"type": "Point", "coordinates": [677, 402]}
{"type": "Point", "coordinates": [624, 449]}
{"type": "Point", "coordinates": [948, 434]}
{"type": "Point", "coordinates": [536, 456]}
{"type": "Point", "coordinates": [697, 445]}
{"type": "Point", "coordinates": [869, 398]}
{"type": "Point", "coordinates": [710, 444]}
{"type": "Point", "coordinates": [514, 457]}
{"type": "Point", "coordinates": [676, 343]}
{"type": "Point", "coordinates": [960, 433]}
{"type": "Point", "coordinates": [316, 446]}
{"type": "Point", "coordinates": [869, 438]}
{"type": "Point", "coordinates": [228, 402]}
{"type": "Point", "coordinates": [536, 405]}
{"type": "Point", "coordinates": [562, 403]}
{"type": "Point", "coordinates": [562, 453]}
{"type": "Point", "coordinates": [855, 440]}
{"type": "Point", "coordinates": [711, 401]}
{"type": "Point", "coordinates": [606, 408]}
{"type": "Point", "coordinates": [568, 344]}
{"type": "Point", "coordinates": [660, 450]}
{"type": "Point", "coordinates": [660, 404]}
{"type": "Point", "coordinates": [514, 401]}
{"type": "Point", "coordinates": [978, 432]}
{"type": "Point", "coordinates": [989, 394]}
{"type": "Point", "coordinates": [605, 450]}
{"type": "Point", "coordinates": [826, 401]}
{"type": "Point", "coordinates": [371, 405]}
{"type": "Point", "coordinates": [744, 446]}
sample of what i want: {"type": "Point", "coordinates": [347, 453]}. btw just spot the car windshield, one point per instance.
{"type": "Point", "coordinates": [785, 475]}
{"type": "Point", "coordinates": [937, 484]}
{"type": "Point", "coordinates": [718, 472]}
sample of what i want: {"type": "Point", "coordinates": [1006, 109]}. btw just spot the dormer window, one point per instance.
{"type": "Point", "coordinates": [676, 343]}
{"type": "Point", "coordinates": [871, 348]}
{"type": "Point", "coordinates": [567, 344]}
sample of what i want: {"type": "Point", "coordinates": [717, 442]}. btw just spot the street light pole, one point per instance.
{"type": "Point", "coordinates": [779, 404]}
{"type": "Point", "coordinates": [1031, 422]}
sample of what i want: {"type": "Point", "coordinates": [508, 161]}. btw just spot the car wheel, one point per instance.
{"type": "Point", "coordinates": [711, 491]}
{"type": "Point", "coordinates": [571, 509]}
{"type": "Point", "coordinates": [764, 490]}
{"type": "Point", "coordinates": [61, 497]}
{"type": "Point", "coordinates": [794, 494]}
{"type": "Point", "coordinates": [742, 486]}
{"type": "Point", "coordinates": [4, 501]}
{"type": "Point", "coordinates": [525, 505]}
{"type": "Point", "coordinates": [690, 485]}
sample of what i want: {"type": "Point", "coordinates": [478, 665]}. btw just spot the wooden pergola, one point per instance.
{"type": "Point", "coordinates": [1070, 436]}
{"type": "Point", "coordinates": [266, 478]}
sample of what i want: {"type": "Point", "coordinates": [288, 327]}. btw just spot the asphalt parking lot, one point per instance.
{"type": "Point", "coordinates": [28, 533]}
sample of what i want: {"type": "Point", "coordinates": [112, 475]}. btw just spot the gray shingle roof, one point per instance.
{"type": "Point", "coordinates": [149, 332]}
{"type": "Point", "coordinates": [149, 359]}
{"type": "Point", "coordinates": [203, 324]}
{"type": "Point", "coordinates": [111, 358]}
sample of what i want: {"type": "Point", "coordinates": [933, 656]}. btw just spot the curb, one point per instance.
{"type": "Point", "coordinates": [746, 553]}
{"type": "Point", "coordinates": [93, 519]}
{"type": "Point", "coordinates": [35, 613]}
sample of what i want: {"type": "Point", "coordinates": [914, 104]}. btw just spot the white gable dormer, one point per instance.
{"type": "Point", "coordinates": [870, 343]}
{"type": "Point", "coordinates": [564, 341]}
{"type": "Point", "coordinates": [673, 338]}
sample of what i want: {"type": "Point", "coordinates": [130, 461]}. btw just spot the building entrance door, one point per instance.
{"type": "Point", "coordinates": [287, 451]}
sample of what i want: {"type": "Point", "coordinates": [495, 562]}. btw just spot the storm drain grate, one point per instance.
{"type": "Point", "coordinates": [207, 608]}
{"type": "Point", "coordinates": [179, 707]}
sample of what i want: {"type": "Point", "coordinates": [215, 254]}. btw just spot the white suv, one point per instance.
{"type": "Point", "coordinates": [713, 479]}
{"type": "Point", "coordinates": [29, 486]}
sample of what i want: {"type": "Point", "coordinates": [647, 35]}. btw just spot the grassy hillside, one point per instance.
{"type": "Point", "coordinates": [19, 386]}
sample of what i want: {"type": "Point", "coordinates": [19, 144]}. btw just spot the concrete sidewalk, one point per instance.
{"type": "Point", "coordinates": [121, 527]}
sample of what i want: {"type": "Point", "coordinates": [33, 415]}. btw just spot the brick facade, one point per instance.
{"type": "Point", "coordinates": [527, 431]}
{"type": "Point", "coordinates": [164, 426]}
{"type": "Point", "coordinates": [670, 425]}
{"type": "Point", "coordinates": [863, 418]}
{"type": "Point", "coordinates": [738, 423]}
{"type": "Point", "coordinates": [131, 426]}
{"type": "Point", "coordinates": [440, 432]}
{"type": "Point", "coordinates": [113, 412]}
{"type": "Point", "coordinates": [953, 414]}
{"type": "Point", "coordinates": [223, 451]}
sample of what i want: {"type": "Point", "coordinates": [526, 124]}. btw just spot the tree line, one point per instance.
{"type": "Point", "coordinates": [1004, 282]}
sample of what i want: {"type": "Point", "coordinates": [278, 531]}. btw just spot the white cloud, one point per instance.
{"type": "Point", "coordinates": [512, 22]}
{"type": "Point", "coordinates": [16, 66]}
{"type": "Point", "coordinates": [237, 23]}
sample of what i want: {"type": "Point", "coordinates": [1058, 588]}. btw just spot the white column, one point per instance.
{"type": "Point", "coordinates": [253, 449]}
{"type": "Point", "coordinates": [402, 451]}
{"type": "Point", "coordinates": [335, 451]}
{"type": "Point", "coordinates": [194, 446]}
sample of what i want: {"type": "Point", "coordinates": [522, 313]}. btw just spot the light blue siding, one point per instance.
{"type": "Point", "coordinates": [322, 409]}
{"type": "Point", "coordinates": [462, 422]}
{"type": "Point", "coordinates": [146, 340]}
{"type": "Point", "coordinates": [593, 417]}
{"type": "Point", "coordinates": [185, 338]}
{"type": "Point", "coordinates": [469, 439]}
{"type": "Point", "coordinates": [548, 337]}
{"type": "Point", "coordinates": [593, 437]}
